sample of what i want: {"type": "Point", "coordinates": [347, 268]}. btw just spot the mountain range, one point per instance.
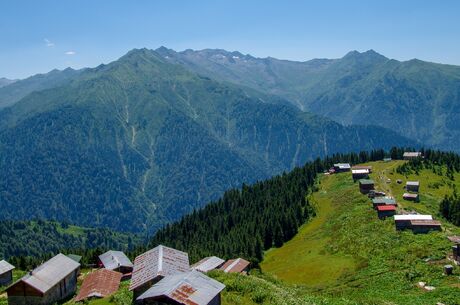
{"type": "Point", "coordinates": [142, 141]}
{"type": "Point", "coordinates": [419, 100]}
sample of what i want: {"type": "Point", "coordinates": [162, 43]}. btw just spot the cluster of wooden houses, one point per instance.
{"type": "Point", "coordinates": [386, 206]}
{"type": "Point", "coordinates": [161, 275]}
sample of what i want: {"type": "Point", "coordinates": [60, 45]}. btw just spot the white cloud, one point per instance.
{"type": "Point", "coordinates": [70, 53]}
{"type": "Point", "coordinates": [49, 43]}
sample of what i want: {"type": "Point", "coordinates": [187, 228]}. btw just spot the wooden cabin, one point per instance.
{"type": "Point", "coordinates": [382, 201]}
{"type": "Point", "coordinates": [50, 283]}
{"type": "Point", "coordinates": [413, 186]}
{"type": "Point", "coordinates": [342, 167]}
{"type": "Point", "coordinates": [208, 263]}
{"type": "Point", "coordinates": [238, 265]}
{"type": "Point", "coordinates": [99, 284]}
{"type": "Point", "coordinates": [425, 226]}
{"type": "Point", "coordinates": [116, 261]}
{"type": "Point", "coordinates": [410, 155]}
{"type": "Point", "coordinates": [417, 223]}
{"type": "Point", "coordinates": [384, 211]}
{"type": "Point", "coordinates": [6, 273]}
{"type": "Point", "coordinates": [359, 174]}
{"type": "Point", "coordinates": [368, 167]}
{"type": "Point", "coordinates": [411, 197]}
{"type": "Point", "coordinates": [153, 265]}
{"type": "Point", "coordinates": [187, 288]}
{"type": "Point", "coordinates": [366, 185]}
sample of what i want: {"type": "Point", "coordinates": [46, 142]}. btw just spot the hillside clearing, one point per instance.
{"type": "Point", "coordinates": [347, 251]}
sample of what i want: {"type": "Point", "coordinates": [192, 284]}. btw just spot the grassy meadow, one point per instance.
{"type": "Point", "coordinates": [346, 251]}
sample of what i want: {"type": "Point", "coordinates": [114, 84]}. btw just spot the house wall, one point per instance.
{"type": "Point", "coordinates": [425, 229]}
{"type": "Point", "coordinates": [384, 214]}
{"type": "Point", "coordinates": [6, 278]}
{"type": "Point", "coordinates": [22, 294]}
{"type": "Point", "coordinates": [412, 188]}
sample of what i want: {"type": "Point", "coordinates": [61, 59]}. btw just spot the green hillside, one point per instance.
{"type": "Point", "coordinates": [40, 238]}
{"type": "Point", "coordinates": [415, 98]}
{"type": "Point", "coordinates": [140, 142]}
{"type": "Point", "coordinates": [13, 91]}
{"type": "Point", "coordinates": [347, 251]}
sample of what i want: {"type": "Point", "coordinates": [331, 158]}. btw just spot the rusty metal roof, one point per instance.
{"type": "Point", "coordinates": [114, 259]}
{"type": "Point", "coordinates": [190, 288]}
{"type": "Point", "coordinates": [158, 262]}
{"type": "Point", "coordinates": [47, 275]}
{"type": "Point", "coordinates": [235, 265]}
{"type": "Point", "coordinates": [5, 267]}
{"type": "Point", "coordinates": [99, 284]}
{"type": "Point", "coordinates": [208, 264]}
{"type": "Point", "coordinates": [428, 223]}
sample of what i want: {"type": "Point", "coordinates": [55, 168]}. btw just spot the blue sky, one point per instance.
{"type": "Point", "coordinates": [38, 36]}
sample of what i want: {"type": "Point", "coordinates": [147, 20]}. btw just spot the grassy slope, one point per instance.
{"type": "Point", "coordinates": [346, 251]}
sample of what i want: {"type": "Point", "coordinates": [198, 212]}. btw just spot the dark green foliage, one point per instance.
{"type": "Point", "coordinates": [26, 243]}
{"type": "Point", "coordinates": [140, 142]}
{"type": "Point", "coordinates": [246, 221]}
{"type": "Point", "coordinates": [450, 209]}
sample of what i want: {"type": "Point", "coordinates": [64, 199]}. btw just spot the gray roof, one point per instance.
{"type": "Point", "coordinates": [158, 262]}
{"type": "Point", "coordinates": [5, 267]}
{"type": "Point", "coordinates": [342, 165]}
{"type": "Point", "coordinates": [192, 287]}
{"type": "Point", "coordinates": [47, 275]}
{"type": "Point", "coordinates": [384, 200]}
{"type": "Point", "coordinates": [414, 183]}
{"type": "Point", "coordinates": [114, 259]}
{"type": "Point", "coordinates": [208, 264]}
{"type": "Point", "coordinates": [412, 154]}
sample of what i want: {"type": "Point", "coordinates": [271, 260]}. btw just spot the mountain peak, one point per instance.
{"type": "Point", "coordinates": [369, 55]}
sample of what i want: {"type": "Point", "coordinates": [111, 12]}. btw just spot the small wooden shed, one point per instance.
{"type": "Point", "coordinates": [384, 211]}
{"type": "Point", "coordinates": [6, 273]}
{"type": "Point", "coordinates": [49, 283]}
{"type": "Point", "coordinates": [413, 186]}
{"type": "Point", "coordinates": [187, 288]}
{"type": "Point", "coordinates": [366, 185]}
{"type": "Point", "coordinates": [150, 267]}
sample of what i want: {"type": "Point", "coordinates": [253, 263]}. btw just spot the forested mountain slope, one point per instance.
{"type": "Point", "coordinates": [418, 99]}
{"type": "Point", "coordinates": [13, 91]}
{"type": "Point", "coordinates": [139, 142]}
{"type": "Point", "coordinates": [5, 81]}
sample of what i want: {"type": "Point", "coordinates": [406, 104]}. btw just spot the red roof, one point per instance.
{"type": "Point", "coordinates": [99, 284]}
{"type": "Point", "coordinates": [235, 265]}
{"type": "Point", "coordinates": [381, 208]}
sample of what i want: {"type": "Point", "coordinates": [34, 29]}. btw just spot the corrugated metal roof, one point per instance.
{"type": "Point", "coordinates": [386, 208]}
{"type": "Point", "coordinates": [5, 266]}
{"type": "Point", "coordinates": [360, 171]}
{"type": "Point", "coordinates": [384, 200]}
{"type": "Point", "coordinates": [342, 165]}
{"type": "Point", "coordinates": [429, 223]}
{"type": "Point", "coordinates": [208, 264]}
{"type": "Point", "coordinates": [50, 273]}
{"type": "Point", "coordinates": [190, 288]}
{"type": "Point", "coordinates": [366, 181]}
{"type": "Point", "coordinates": [413, 217]}
{"type": "Point", "coordinates": [235, 265]}
{"type": "Point", "coordinates": [159, 261]}
{"type": "Point", "coordinates": [409, 195]}
{"type": "Point", "coordinates": [114, 259]}
{"type": "Point", "coordinates": [100, 284]}
{"type": "Point", "coordinates": [412, 154]}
